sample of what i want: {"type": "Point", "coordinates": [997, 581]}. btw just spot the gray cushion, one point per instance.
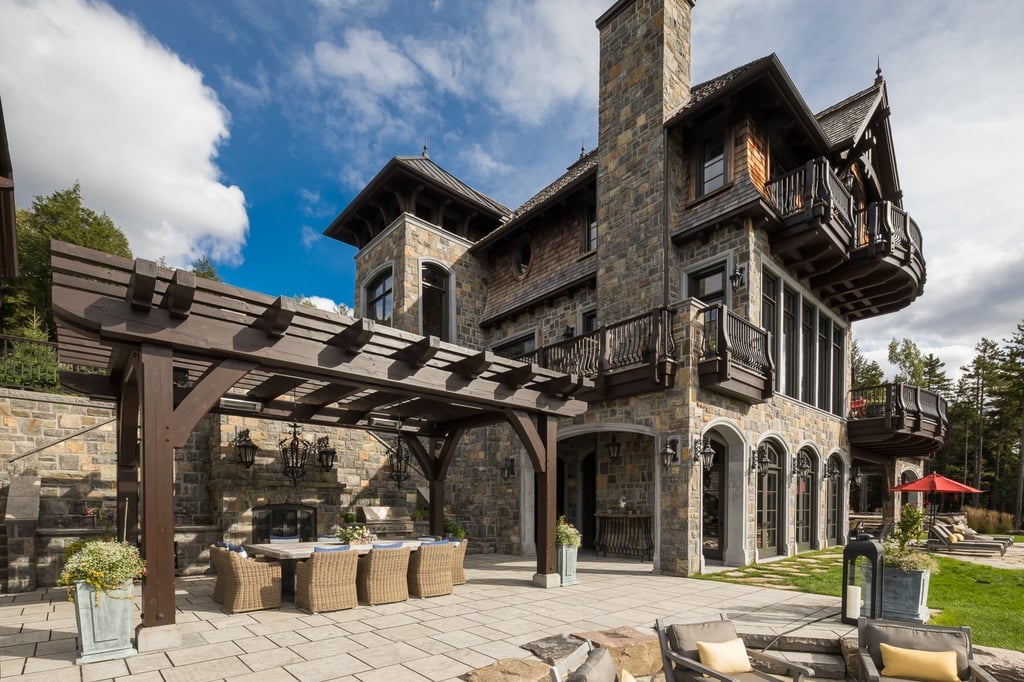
{"type": "Point", "coordinates": [599, 667]}
{"type": "Point", "coordinates": [920, 638]}
{"type": "Point", "coordinates": [683, 637]}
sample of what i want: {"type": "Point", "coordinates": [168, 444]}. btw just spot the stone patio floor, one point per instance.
{"type": "Point", "coordinates": [439, 639]}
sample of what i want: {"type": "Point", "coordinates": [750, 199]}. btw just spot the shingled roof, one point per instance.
{"type": "Point", "coordinates": [705, 90]}
{"type": "Point", "coordinates": [577, 173]}
{"type": "Point", "coordinates": [423, 166]}
{"type": "Point", "coordinates": [843, 121]}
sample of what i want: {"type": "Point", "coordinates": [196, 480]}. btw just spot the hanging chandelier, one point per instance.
{"type": "Point", "coordinates": [294, 453]}
{"type": "Point", "coordinates": [398, 463]}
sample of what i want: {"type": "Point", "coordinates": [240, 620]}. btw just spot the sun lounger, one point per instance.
{"type": "Point", "coordinates": [943, 539]}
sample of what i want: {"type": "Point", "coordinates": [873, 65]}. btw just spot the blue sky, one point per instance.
{"type": "Point", "coordinates": [239, 129]}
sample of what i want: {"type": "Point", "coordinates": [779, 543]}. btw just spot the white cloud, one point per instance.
{"type": "Point", "coordinates": [367, 61]}
{"type": "Point", "coordinates": [91, 97]}
{"type": "Point", "coordinates": [327, 304]}
{"type": "Point", "coordinates": [309, 236]}
{"type": "Point", "coordinates": [251, 95]}
{"type": "Point", "coordinates": [481, 163]}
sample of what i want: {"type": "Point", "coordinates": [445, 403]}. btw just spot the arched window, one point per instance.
{"type": "Point", "coordinates": [435, 302]}
{"type": "Point", "coordinates": [380, 298]}
{"type": "Point", "coordinates": [769, 501]}
{"type": "Point", "coordinates": [834, 501]}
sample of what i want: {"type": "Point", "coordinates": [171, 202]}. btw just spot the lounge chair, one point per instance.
{"type": "Point", "coordinates": [975, 536]}
{"type": "Point", "coordinates": [327, 581]}
{"type": "Point", "coordinates": [943, 539]}
{"type": "Point", "coordinates": [903, 656]}
{"type": "Point", "coordinates": [689, 650]}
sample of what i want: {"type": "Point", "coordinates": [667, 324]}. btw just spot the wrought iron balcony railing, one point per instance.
{"type": "Point", "coordinates": [897, 400]}
{"type": "Point", "coordinates": [28, 364]}
{"type": "Point", "coordinates": [813, 184]}
{"type": "Point", "coordinates": [737, 339]}
{"type": "Point", "coordinates": [891, 227]}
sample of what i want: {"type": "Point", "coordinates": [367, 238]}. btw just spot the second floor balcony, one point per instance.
{"type": "Point", "coordinates": [735, 357]}
{"type": "Point", "coordinates": [897, 420]}
{"type": "Point", "coordinates": [625, 358]}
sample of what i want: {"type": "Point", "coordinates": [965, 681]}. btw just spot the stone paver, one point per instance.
{"type": "Point", "coordinates": [438, 639]}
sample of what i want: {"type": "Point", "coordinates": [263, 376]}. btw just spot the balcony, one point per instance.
{"type": "Point", "coordinates": [735, 357]}
{"type": "Point", "coordinates": [886, 269]}
{"type": "Point", "coordinates": [625, 358]}
{"type": "Point", "coordinates": [816, 219]}
{"type": "Point", "coordinates": [897, 420]}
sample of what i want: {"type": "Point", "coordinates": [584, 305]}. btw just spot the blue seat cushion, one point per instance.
{"type": "Point", "coordinates": [387, 545]}
{"type": "Point", "coordinates": [435, 542]}
{"type": "Point", "coordinates": [284, 538]}
{"type": "Point", "coordinates": [339, 548]}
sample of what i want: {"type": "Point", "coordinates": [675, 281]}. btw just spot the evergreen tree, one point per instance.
{"type": "Point", "coordinates": [203, 267]}
{"type": "Point", "coordinates": [865, 372]}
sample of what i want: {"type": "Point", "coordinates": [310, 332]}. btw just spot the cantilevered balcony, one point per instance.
{"type": "Point", "coordinates": [625, 358]}
{"type": "Point", "coordinates": [886, 269]}
{"type": "Point", "coordinates": [735, 357]}
{"type": "Point", "coordinates": [897, 420]}
{"type": "Point", "coordinates": [816, 221]}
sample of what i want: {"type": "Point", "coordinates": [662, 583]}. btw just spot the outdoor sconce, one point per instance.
{"type": "Point", "coordinates": [759, 461]}
{"type": "Point", "coordinates": [738, 278]}
{"type": "Point", "coordinates": [802, 467]}
{"type": "Point", "coordinates": [508, 468]}
{"type": "Point", "coordinates": [245, 449]}
{"type": "Point", "coordinates": [614, 450]}
{"type": "Point", "coordinates": [325, 454]}
{"type": "Point", "coordinates": [294, 453]}
{"type": "Point", "coordinates": [398, 463]}
{"type": "Point", "coordinates": [858, 477]}
{"type": "Point", "coordinates": [862, 580]}
{"type": "Point", "coordinates": [670, 455]}
{"type": "Point", "coordinates": [703, 453]}
{"type": "Point", "coordinates": [835, 472]}
{"type": "Point", "coordinates": [569, 332]}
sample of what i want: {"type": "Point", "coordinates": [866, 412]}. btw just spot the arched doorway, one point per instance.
{"type": "Point", "coordinates": [834, 501]}
{"type": "Point", "coordinates": [713, 500]}
{"type": "Point", "coordinates": [769, 499]}
{"type": "Point", "coordinates": [806, 472]}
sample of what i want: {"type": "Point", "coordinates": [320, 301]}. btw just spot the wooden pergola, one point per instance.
{"type": "Point", "coordinates": [168, 346]}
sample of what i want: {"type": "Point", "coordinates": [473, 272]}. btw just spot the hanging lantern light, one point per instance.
{"type": "Point", "coordinates": [294, 453]}
{"type": "Point", "coordinates": [398, 463]}
{"type": "Point", "coordinates": [325, 454]}
{"type": "Point", "coordinates": [614, 450]}
{"type": "Point", "coordinates": [245, 449]}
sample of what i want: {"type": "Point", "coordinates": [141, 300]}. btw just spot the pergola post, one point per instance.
{"type": "Point", "coordinates": [540, 441]}
{"type": "Point", "coordinates": [128, 462]}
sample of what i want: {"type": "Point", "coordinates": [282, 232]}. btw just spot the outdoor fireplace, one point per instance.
{"type": "Point", "coordinates": [283, 520]}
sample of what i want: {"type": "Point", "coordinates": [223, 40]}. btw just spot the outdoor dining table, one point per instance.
{"type": "Point", "coordinates": [289, 553]}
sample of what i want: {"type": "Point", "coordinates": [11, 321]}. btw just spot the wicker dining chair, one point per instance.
{"type": "Point", "coordinates": [250, 585]}
{"type": "Point", "coordinates": [381, 577]}
{"type": "Point", "coordinates": [327, 581]}
{"type": "Point", "coordinates": [458, 570]}
{"type": "Point", "coordinates": [430, 570]}
{"type": "Point", "coordinates": [219, 559]}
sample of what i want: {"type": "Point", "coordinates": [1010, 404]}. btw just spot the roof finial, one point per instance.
{"type": "Point", "coordinates": [878, 71]}
{"type": "Point", "coordinates": [583, 149]}
{"type": "Point", "coordinates": [426, 154]}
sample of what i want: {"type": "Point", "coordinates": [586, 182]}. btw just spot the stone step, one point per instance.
{"type": "Point", "coordinates": [826, 666]}
{"type": "Point", "coordinates": [829, 644]}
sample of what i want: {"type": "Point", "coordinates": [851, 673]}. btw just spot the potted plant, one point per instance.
{"type": "Point", "coordinates": [356, 535]}
{"type": "Point", "coordinates": [419, 521]}
{"type": "Point", "coordinates": [568, 539]}
{"type": "Point", "coordinates": [453, 528]}
{"type": "Point", "coordinates": [102, 574]}
{"type": "Point", "coordinates": [906, 571]}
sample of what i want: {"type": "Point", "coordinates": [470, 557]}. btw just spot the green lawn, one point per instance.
{"type": "Point", "coordinates": [990, 600]}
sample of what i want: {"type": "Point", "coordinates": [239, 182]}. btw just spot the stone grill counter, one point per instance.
{"type": "Point", "coordinates": [386, 523]}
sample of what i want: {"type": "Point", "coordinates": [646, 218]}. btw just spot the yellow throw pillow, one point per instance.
{"type": "Point", "coordinates": [726, 657]}
{"type": "Point", "coordinates": [926, 666]}
{"type": "Point", "coordinates": [626, 676]}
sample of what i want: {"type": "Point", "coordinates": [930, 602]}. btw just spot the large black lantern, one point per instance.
{"type": "Point", "coordinates": [325, 454]}
{"type": "Point", "coordinates": [245, 449]}
{"type": "Point", "coordinates": [398, 463]}
{"type": "Point", "coordinates": [862, 579]}
{"type": "Point", "coordinates": [294, 453]}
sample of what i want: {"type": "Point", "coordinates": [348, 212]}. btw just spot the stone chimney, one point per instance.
{"type": "Point", "coordinates": [644, 75]}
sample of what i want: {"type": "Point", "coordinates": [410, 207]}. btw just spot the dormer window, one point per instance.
{"type": "Point", "coordinates": [379, 298]}
{"type": "Point", "coordinates": [522, 257]}
{"type": "Point", "coordinates": [590, 228]}
{"type": "Point", "coordinates": [711, 163]}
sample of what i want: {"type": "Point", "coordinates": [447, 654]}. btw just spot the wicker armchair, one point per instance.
{"type": "Point", "coordinates": [250, 585]}
{"type": "Point", "coordinates": [430, 570]}
{"type": "Point", "coordinates": [219, 560]}
{"type": "Point", "coordinates": [327, 581]}
{"type": "Point", "coordinates": [381, 576]}
{"type": "Point", "coordinates": [458, 572]}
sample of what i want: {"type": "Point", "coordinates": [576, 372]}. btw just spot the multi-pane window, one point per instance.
{"type": "Point", "coordinates": [711, 167]}
{"type": "Point", "coordinates": [590, 228]}
{"type": "Point", "coordinates": [589, 320]}
{"type": "Point", "coordinates": [807, 346]}
{"type": "Point", "coordinates": [379, 298]}
{"type": "Point", "coordinates": [708, 284]}
{"type": "Point", "coordinates": [436, 302]}
{"type": "Point", "coordinates": [517, 347]}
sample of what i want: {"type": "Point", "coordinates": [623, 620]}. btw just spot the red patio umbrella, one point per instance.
{"type": "Point", "coordinates": [934, 483]}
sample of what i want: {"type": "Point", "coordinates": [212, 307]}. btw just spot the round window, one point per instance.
{"type": "Point", "coordinates": [522, 257]}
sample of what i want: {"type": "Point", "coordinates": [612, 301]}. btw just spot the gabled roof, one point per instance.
{"type": "Point", "coordinates": [705, 95]}
{"type": "Point", "coordinates": [574, 176]}
{"type": "Point", "coordinates": [844, 122]}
